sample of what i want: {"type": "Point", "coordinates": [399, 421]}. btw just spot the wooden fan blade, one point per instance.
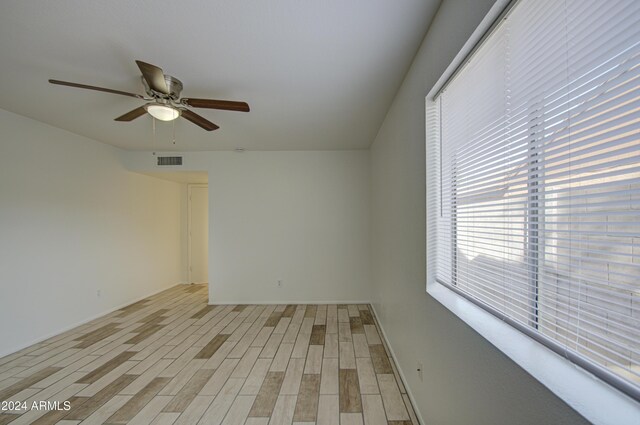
{"type": "Point", "coordinates": [227, 105]}
{"type": "Point", "coordinates": [132, 115]}
{"type": "Point", "coordinates": [153, 76]}
{"type": "Point", "coordinates": [102, 89]}
{"type": "Point", "coordinates": [198, 120]}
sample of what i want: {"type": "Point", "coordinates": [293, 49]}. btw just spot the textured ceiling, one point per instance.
{"type": "Point", "coordinates": [318, 75]}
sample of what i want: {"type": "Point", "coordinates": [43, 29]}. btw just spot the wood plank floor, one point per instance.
{"type": "Point", "coordinates": [173, 359]}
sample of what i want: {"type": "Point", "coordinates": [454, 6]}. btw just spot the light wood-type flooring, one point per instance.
{"type": "Point", "coordinates": [173, 359]}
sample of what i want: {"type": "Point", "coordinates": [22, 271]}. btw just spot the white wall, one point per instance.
{"type": "Point", "coordinates": [466, 380]}
{"type": "Point", "coordinates": [72, 221]}
{"type": "Point", "coordinates": [299, 217]}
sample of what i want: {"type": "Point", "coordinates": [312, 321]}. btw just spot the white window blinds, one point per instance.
{"type": "Point", "coordinates": [534, 180]}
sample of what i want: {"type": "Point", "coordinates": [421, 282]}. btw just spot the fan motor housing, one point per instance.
{"type": "Point", "coordinates": [173, 85]}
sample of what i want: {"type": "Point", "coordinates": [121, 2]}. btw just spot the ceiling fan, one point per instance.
{"type": "Point", "coordinates": [163, 98]}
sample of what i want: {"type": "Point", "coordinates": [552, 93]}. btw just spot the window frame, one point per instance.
{"type": "Point", "coordinates": [596, 400]}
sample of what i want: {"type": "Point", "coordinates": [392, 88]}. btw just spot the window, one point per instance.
{"type": "Point", "coordinates": [534, 199]}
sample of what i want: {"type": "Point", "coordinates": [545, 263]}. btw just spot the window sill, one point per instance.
{"type": "Point", "coordinates": [594, 399]}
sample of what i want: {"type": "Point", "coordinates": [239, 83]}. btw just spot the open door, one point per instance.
{"type": "Point", "coordinates": [198, 233]}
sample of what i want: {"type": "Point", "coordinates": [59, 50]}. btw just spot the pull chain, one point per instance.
{"type": "Point", "coordinates": [153, 140]}
{"type": "Point", "coordinates": [174, 131]}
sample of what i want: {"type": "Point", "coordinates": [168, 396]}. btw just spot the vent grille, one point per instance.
{"type": "Point", "coordinates": [169, 160]}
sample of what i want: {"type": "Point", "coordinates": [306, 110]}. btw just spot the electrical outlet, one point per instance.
{"type": "Point", "coordinates": [279, 283]}
{"type": "Point", "coordinates": [419, 370]}
{"type": "Point", "coordinates": [98, 293]}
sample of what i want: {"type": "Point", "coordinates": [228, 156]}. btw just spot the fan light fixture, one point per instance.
{"type": "Point", "coordinates": [163, 100]}
{"type": "Point", "coordinates": [162, 112]}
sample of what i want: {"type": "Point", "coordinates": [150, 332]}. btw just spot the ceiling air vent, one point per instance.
{"type": "Point", "coordinates": [169, 160]}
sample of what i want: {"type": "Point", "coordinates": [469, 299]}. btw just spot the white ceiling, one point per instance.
{"type": "Point", "coordinates": [317, 74]}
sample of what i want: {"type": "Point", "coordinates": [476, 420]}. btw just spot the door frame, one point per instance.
{"type": "Point", "coordinates": [190, 186]}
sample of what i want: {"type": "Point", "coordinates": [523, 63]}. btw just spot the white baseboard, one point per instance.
{"type": "Point", "coordinates": [280, 302]}
{"type": "Point", "coordinates": [82, 322]}
{"type": "Point", "coordinates": [400, 372]}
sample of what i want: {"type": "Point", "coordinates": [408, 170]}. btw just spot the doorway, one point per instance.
{"type": "Point", "coordinates": [198, 232]}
